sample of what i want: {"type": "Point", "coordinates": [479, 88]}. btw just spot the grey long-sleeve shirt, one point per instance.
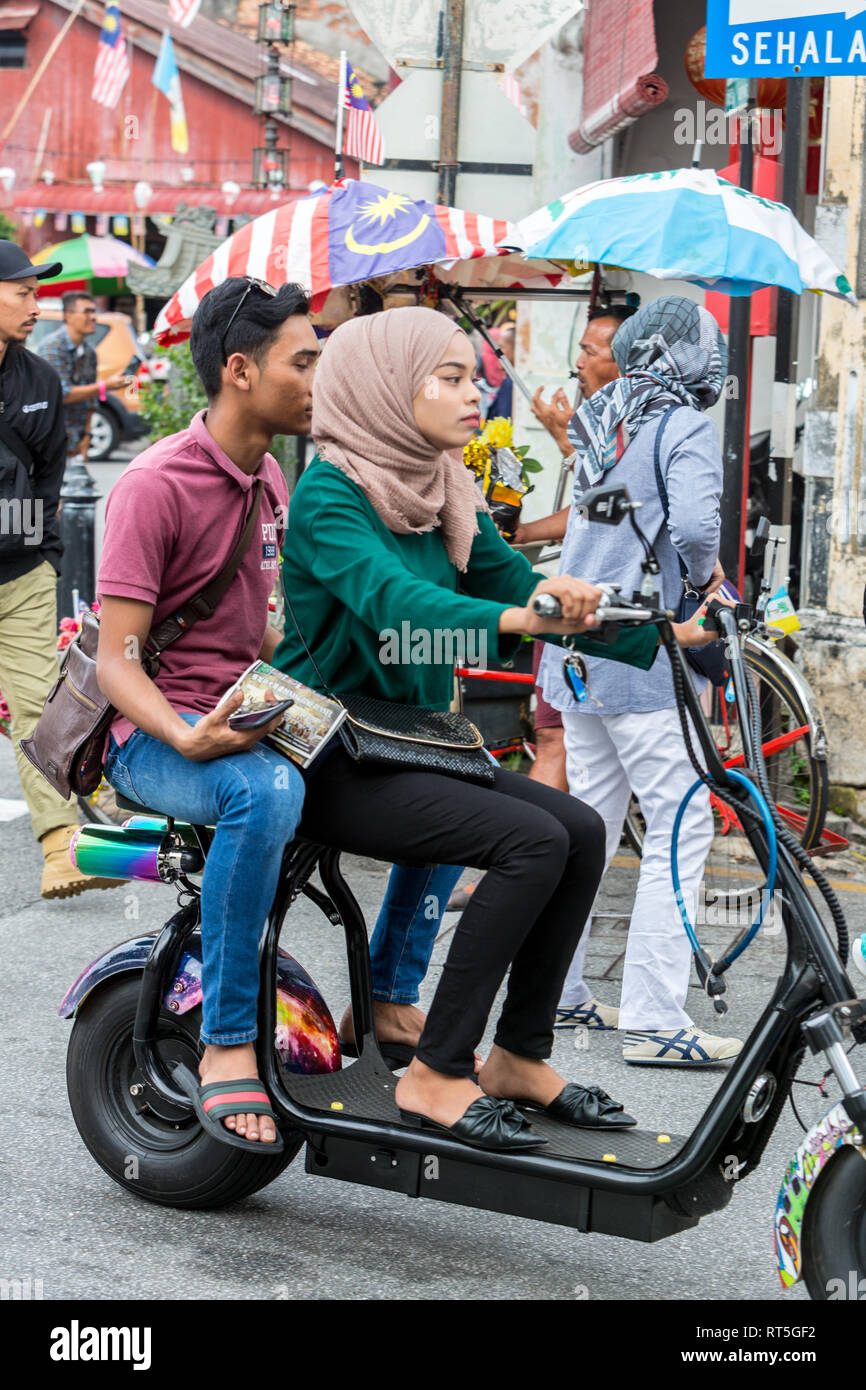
{"type": "Point", "coordinates": [691, 465]}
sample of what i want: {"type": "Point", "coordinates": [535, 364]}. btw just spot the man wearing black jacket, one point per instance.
{"type": "Point", "coordinates": [32, 460]}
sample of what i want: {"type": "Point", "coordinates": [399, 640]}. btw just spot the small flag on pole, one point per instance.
{"type": "Point", "coordinates": [363, 137]}
{"type": "Point", "coordinates": [167, 78]}
{"type": "Point", "coordinates": [183, 12]}
{"type": "Point", "coordinates": [112, 64]}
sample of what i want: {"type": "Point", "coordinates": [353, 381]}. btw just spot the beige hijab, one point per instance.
{"type": "Point", "coordinates": [363, 422]}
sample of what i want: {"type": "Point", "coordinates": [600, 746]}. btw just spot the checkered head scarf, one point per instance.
{"type": "Point", "coordinates": [671, 352]}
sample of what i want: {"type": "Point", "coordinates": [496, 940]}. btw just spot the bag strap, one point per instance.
{"type": "Point", "coordinates": [660, 483]}
{"type": "Point", "coordinates": [328, 691]}
{"type": "Point", "coordinates": [204, 603]}
{"type": "Point", "coordinates": [12, 439]}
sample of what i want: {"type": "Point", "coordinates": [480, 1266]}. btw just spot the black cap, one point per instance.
{"type": "Point", "coordinates": [15, 265]}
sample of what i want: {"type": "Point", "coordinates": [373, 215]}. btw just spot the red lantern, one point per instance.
{"type": "Point", "coordinates": [771, 90]}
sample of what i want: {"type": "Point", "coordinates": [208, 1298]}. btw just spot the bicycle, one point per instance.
{"type": "Point", "coordinates": [795, 752]}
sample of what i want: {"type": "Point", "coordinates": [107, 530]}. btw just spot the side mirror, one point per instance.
{"type": "Point", "coordinates": [607, 503]}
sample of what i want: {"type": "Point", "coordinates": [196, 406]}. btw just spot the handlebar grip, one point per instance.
{"type": "Point", "coordinates": [547, 606]}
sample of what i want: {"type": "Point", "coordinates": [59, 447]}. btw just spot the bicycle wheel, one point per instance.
{"type": "Point", "coordinates": [798, 780]}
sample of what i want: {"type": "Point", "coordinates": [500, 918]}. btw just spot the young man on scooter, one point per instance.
{"type": "Point", "coordinates": [172, 522]}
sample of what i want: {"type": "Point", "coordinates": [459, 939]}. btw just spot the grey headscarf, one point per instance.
{"type": "Point", "coordinates": [670, 352]}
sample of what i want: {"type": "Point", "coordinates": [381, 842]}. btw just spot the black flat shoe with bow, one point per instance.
{"type": "Point", "coordinates": [487, 1124]}
{"type": "Point", "coordinates": [586, 1107]}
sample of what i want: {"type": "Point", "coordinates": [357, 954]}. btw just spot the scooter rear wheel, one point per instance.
{"type": "Point", "coordinates": [834, 1231]}
{"type": "Point", "coordinates": [157, 1151]}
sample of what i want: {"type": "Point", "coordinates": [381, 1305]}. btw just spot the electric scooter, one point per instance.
{"type": "Point", "coordinates": [136, 1012]}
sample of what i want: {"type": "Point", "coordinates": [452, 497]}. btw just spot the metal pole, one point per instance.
{"type": "Point", "coordinates": [735, 447]}
{"type": "Point", "coordinates": [78, 497]}
{"type": "Point", "coordinates": [466, 309]}
{"type": "Point", "coordinates": [449, 126]}
{"type": "Point", "coordinates": [341, 107]}
{"type": "Point", "coordinates": [779, 487]}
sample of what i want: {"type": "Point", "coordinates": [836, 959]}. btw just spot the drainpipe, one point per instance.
{"type": "Point", "coordinates": [452, 61]}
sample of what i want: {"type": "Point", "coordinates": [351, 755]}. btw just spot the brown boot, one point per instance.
{"type": "Point", "coordinates": [60, 877]}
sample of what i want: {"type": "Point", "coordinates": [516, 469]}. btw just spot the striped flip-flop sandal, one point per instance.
{"type": "Point", "coordinates": [218, 1099]}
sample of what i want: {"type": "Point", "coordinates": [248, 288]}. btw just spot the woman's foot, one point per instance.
{"type": "Point", "coordinates": [509, 1077]}
{"type": "Point", "coordinates": [438, 1097]}
{"type": "Point", "coordinates": [232, 1064]}
{"type": "Point", "coordinates": [527, 1081]}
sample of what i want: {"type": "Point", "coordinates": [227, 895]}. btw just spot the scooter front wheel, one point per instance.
{"type": "Point", "coordinates": [155, 1150]}
{"type": "Point", "coordinates": [834, 1230]}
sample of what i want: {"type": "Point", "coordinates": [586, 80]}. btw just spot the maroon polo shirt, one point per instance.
{"type": "Point", "coordinates": [171, 523]}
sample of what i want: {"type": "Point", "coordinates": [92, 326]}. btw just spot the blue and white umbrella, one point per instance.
{"type": "Point", "coordinates": [684, 224]}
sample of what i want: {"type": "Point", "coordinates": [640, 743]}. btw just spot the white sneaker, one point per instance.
{"type": "Point", "coordinates": [858, 954]}
{"type": "Point", "coordinates": [590, 1014]}
{"type": "Point", "coordinates": [678, 1047]}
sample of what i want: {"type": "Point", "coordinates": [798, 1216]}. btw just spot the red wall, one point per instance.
{"type": "Point", "coordinates": [134, 139]}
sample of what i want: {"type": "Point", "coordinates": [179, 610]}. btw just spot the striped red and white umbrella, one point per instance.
{"type": "Point", "coordinates": [355, 231]}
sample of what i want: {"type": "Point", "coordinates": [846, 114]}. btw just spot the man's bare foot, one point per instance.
{"type": "Point", "coordinates": [394, 1023]}
{"type": "Point", "coordinates": [231, 1064]}
{"type": "Point", "coordinates": [509, 1077]}
{"type": "Point", "coordinates": [427, 1092]}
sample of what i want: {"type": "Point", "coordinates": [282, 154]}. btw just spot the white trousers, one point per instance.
{"type": "Point", "coordinates": [608, 757]}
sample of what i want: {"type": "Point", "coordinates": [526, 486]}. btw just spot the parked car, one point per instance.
{"type": "Point", "coordinates": [117, 350]}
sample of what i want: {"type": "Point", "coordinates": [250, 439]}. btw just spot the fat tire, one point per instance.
{"type": "Point", "coordinates": [176, 1164]}
{"type": "Point", "coordinates": [834, 1229]}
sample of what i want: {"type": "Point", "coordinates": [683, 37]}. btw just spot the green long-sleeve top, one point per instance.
{"type": "Point", "coordinates": [388, 615]}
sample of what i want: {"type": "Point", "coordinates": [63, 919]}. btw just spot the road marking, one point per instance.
{"type": "Point", "coordinates": [11, 810]}
{"type": "Point", "coordinates": [630, 861]}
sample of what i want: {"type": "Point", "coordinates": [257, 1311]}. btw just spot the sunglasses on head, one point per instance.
{"type": "Point", "coordinates": [252, 284]}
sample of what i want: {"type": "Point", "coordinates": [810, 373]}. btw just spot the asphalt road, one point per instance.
{"type": "Point", "coordinates": [66, 1223]}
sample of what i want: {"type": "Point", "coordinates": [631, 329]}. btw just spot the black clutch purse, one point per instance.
{"type": "Point", "coordinates": [408, 737]}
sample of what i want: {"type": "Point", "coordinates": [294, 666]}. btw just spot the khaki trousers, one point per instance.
{"type": "Point", "coordinates": [28, 669]}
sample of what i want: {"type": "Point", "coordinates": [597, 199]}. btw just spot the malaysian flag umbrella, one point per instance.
{"type": "Point", "coordinates": [357, 231]}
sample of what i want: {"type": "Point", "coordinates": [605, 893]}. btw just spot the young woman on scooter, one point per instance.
{"type": "Point", "coordinates": [387, 530]}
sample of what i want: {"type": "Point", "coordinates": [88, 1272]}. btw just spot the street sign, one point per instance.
{"type": "Point", "coordinates": [736, 95]}
{"type": "Point", "coordinates": [785, 38]}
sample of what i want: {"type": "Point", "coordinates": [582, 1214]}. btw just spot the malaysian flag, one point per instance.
{"type": "Point", "coordinates": [363, 139]}
{"type": "Point", "coordinates": [112, 65]}
{"type": "Point", "coordinates": [183, 12]}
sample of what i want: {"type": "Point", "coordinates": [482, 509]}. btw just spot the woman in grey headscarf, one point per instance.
{"type": "Point", "coordinates": [626, 738]}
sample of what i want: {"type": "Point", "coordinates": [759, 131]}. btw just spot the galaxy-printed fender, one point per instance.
{"type": "Point", "coordinates": [306, 1036]}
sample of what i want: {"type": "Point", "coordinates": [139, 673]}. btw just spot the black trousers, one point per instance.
{"type": "Point", "coordinates": [544, 855]}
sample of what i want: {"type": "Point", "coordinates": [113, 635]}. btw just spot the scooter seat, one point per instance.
{"type": "Point", "coordinates": [126, 803]}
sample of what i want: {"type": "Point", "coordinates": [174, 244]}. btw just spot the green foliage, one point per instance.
{"type": "Point", "coordinates": [168, 406]}
{"type": "Point", "coordinates": [8, 228]}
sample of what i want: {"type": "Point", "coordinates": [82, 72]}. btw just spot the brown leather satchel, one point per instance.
{"type": "Point", "coordinates": [68, 743]}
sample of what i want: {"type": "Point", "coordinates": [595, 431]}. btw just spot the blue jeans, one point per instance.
{"type": "Point", "coordinates": [406, 928]}
{"type": "Point", "coordinates": [254, 800]}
